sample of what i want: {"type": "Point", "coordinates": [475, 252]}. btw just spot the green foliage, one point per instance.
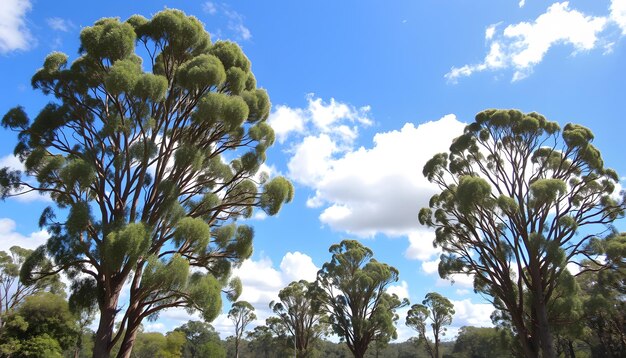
{"type": "Point", "coordinates": [351, 288]}
{"type": "Point", "coordinates": [299, 317]}
{"type": "Point", "coordinates": [602, 294]}
{"type": "Point", "coordinates": [439, 311]}
{"type": "Point", "coordinates": [482, 342]}
{"type": "Point", "coordinates": [14, 289]}
{"type": "Point", "coordinates": [516, 193]}
{"type": "Point", "coordinates": [134, 149]}
{"type": "Point", "coordinates": [42, 326]}
{"type": "Point", "coordinates": [157, 345]}
{"type": "Point", "coordinates": [201, 340]}
{"type": "Point", "coordinates": [242, 314]}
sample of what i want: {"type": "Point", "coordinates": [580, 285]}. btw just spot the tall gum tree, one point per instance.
{"type": "Point", "coordinates": [352, 288]}
{"type": "Point", "coordinates": [300, 316]}
{"type": "Point", "coordinates": [151, 160]}
{"type": "Point", "coordinates": [439, 311]}
{"type": "Point", "coordinates": [520, 199]}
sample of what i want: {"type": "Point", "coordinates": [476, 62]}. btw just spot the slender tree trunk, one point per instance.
{"type": "Point", "coordinates": [104, 335]}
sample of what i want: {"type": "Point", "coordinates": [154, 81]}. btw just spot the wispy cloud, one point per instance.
{"type": "Point", "coordinates": [235, 21]}
{"type": "Point", "coordinates": [59, 24]}
{"type": "Point", "coordinates": [14, 34]}
{"type": "Point", "coordinates": [522, 46]}
{"type": "Point", "coordinates": [210, 8]}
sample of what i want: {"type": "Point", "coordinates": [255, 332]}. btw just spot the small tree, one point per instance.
{"type": "Point", "coordinates": [153, 160]}
{"type": "Point", "coordinates": [201, 340]}
{"type": "Point", "coordinates": [352, 289]}
{"type": "Point", "coordinates": [519, 200]}
{"type": "Point", "coordinates": [242, 314]}
{"type": "Point", "coordinates": [42, 326]}
{"type": "Point", "coordinates": [299, 315]}
{"type": "Point", "coordinates": [13, 290]}
{"type": "Point", "coordinates": [604, 307]}
{"type": "Point", "coordinates": [439, 310]}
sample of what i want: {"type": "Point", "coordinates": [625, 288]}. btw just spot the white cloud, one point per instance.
{"type": "Point", "coordinates": [298, 266]}
{"type": "Point", "coordinates": [334, 118]}
{"type": "Point", "coordinates": [618, 14]}
{"type": "Point", "coordinates": [521, 3]}
{"type": "Point", "coordinates": [311, 159]}
{"type": "Point", "coordinates": [285, 120]}
{"type": "Point", "coordinates": [523, 45]}
{"type": "Point", "coordinates": [401, 290]}
{"type": "Point", "coordinates": [472, 314]}
{"type": "Point", "coordinates": [421, 248]}
{"type": "Point", "coordinates": [430, 267]}
{"type": "Point", "coordinates": [366, 191]}
{"type": "Point", "coordinates": [59, 24]}
{"type": "Point", "coordinates": [10, 237]}
{"type": "Point", "coordinates": [457, 279]}
{"type": "Point", "coordinates": [490, 31]}
{"type": "Point", "coordinates": [14, 34]}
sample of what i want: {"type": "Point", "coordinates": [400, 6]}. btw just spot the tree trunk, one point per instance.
{"type": "Point", "coordinates": [104, 335]}
{"type": "Point", "coordinates": [128, 341]}
{"type": "Point", "coordinates": [546, 340]}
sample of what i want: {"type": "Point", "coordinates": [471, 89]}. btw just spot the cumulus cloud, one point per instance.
{"type": "Point", "coordinates": [468, 313]}
{"type": "Point", "coordinates": [10, 237]}
{"type": "Point", "coordinates": [333, 118]}
{"type": "Point", "coordinates": [523, 45]}
{"type": "Point", "coordinates": [618, 14]}
{"type": "Point", "coordinates": [430, 267]}
{"type": "Point", "coordinates": [366, 191]}
{"type": "Point", "coordinates": [401, 290]}
{"type": "Point", "coordinates": [14, 34]}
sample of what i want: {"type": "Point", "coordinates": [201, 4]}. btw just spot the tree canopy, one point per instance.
{"type": "Point", "coordinates": [439, 311]}
{"type": "Point", "coordinates": [151, 160]}
{"type": "Point", "coordinates": [520, 199]}
{"type": "Point", "coordinates": [42, 326]}
{"type": "Point", "coordinates": [352, 289]}
{"type": "Point", "coordinates": [242, 314]}
{"type": "Point", "coordinates": [300, 316]}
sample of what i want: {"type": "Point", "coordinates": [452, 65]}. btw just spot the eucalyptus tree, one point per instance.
{"type": "Point", "coordinates": [604, 307]}
{"type": "Point", "coordinates": [299, 315]}
{"type": "Point", "coordinates": [13, 290]}
{"type": "Point", "coordinates": [151, 160]}
{"type": "Point", "coordinates": [352, 290]}
{"type": "Point", "coordinates": [439, 311]}
{"type": "Point", "coordinates": [520, 199]}
{"type": "Point", "coordinates": [242, 314]}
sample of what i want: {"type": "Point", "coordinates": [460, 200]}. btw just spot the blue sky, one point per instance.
{"type": "Point", "coordinates": [363, 93]}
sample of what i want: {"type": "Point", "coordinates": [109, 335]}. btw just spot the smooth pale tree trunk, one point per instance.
{"type": "Point", "coordinates": [104, 335]}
